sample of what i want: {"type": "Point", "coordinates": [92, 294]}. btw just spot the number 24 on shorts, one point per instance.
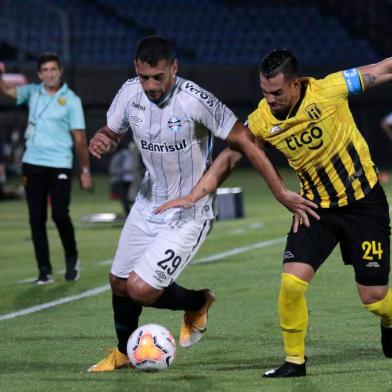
{"type": "Point", "coordinates": [371, 250]}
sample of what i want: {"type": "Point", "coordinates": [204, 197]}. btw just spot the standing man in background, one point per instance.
{"type": "Point", "coordinates": [55, 115]}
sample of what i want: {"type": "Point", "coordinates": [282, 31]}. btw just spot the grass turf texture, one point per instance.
{"type": "Point", "coordinates": [51, 349]}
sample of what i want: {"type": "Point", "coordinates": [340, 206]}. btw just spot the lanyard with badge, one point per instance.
{"type": "Point", "coordinates": [36, 116]}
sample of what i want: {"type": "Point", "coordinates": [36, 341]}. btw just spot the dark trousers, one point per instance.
{"type": "Point", "coordinates": [40, 183]}
{"type": "Point", "coordinates": [121, 189]}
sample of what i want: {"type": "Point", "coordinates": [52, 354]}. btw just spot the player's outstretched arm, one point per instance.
{"type": "Point", "coordinates": [220, 169]}
{"type": "Point", "coordinates": [104, 141]}
{"type": "Point", "coordinates": [240, 138]}
{"type": "Point", "coordinates": [376, 74]}
{"type": "Point", "coordinates": [9, 91]}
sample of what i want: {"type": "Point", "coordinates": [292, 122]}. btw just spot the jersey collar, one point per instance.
{"type": "Point", "coordinates": [161, 102]}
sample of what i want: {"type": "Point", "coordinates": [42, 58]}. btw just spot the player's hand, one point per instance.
{"type": "Point", "coordinates": [300, 207]}
{"type": "Point", "coordinates": [2, 68]}
{"type": "Point", "coordinates": [182, 202]}
{"type": "Point", "coordinates": [100, 144]}
{"type": "Point", "coordinates": [86, 181]}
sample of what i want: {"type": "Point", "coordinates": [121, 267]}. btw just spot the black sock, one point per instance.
{"type": "Point", "coordinates": [176, 297]}
{"type": "Point", "coordinates": [126, 318]}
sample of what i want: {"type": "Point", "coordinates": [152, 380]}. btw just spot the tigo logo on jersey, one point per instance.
{"type": "Point", "coordinates": [174, 124]}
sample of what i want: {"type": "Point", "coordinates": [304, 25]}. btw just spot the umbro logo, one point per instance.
{"type": "Point", "coordinates": [288, 255]}
{"type": "Point", "coordinates": [160, 274]}
{"type": "Point", "coordinates": [62, 176]}
{"type": "Point", "coordinates": [275, 129]}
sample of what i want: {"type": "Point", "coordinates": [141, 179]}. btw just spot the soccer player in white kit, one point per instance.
{"type": "Point", "coordinates": [173, 122]}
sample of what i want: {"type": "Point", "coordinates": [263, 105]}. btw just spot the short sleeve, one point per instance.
{"type": "Point", "coordinates": [210, 112]}
{"type": "Point", "coordinates": [341, 84]}
{"type": "Point", "coordinates": [23, 93]}
{"type": "Point", "coordinates": [76, 115]}
{"type": "Point", "coordinates": [117, 114]}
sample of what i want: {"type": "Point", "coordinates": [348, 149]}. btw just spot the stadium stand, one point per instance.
{"type": "Point", "coordinates": [205, 31]}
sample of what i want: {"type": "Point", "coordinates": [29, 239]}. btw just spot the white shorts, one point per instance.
{"type": "Point", "coordinates": [158, 252]}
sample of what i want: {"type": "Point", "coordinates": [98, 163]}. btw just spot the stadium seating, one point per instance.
{"type": "Point", "coordinates": [205, 31]}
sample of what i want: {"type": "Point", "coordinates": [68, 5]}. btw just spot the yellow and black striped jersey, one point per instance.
{"type": "Point", "coordinates": [321, 141]}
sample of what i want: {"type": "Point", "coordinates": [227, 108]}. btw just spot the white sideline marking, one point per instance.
{"type": "Point", "coordinates": [236, 251]}
{"type": "Point", "coordinates": [61, 301]}
{"type": "Point", "coordinates": [102, 289]}
{"type": "Point", "coordinates": [105, 262]}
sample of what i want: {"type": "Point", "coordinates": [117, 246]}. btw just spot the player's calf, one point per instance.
{"type": "Point", "coordinates": [386, 341]}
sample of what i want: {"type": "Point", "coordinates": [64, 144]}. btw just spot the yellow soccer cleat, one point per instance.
{"type": "Point", "coordinates": [114, 360]}
{"type": "Point", "coordinates": [194, 323]}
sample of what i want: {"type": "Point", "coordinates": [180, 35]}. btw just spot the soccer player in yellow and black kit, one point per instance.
{"type": "Point", "coordinates": [310, 122]}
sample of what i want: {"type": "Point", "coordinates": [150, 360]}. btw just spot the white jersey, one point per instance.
{"type": "Point", "coordinates": [175, 139]}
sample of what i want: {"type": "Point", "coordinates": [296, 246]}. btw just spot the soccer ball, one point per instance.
{"type": "Point", "coordinates": [151, 347]}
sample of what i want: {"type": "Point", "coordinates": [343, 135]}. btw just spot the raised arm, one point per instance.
{"type": "Point", "coordinates": [105, 141]}
{"type": "Point", "coordinates": [376, 74]}
{"type": "Point", "coordinates": [9, 91]}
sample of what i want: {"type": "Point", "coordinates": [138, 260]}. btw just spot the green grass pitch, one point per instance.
{"type": "Point", "coordinates": [51, 349]}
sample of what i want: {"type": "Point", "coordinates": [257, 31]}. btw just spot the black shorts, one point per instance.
{"type": "Point", "coordinates": [362, 229]}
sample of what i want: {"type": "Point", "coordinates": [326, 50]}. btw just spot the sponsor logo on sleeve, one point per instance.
{"type": "Point", "coordinates": [200, 93]}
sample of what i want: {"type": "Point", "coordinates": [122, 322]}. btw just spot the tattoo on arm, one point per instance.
{"type": "Point", "coordinates": [369, 80]}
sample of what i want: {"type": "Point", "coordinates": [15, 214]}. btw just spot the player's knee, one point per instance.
{"type": "Point", "coordinates": [141, 292]}
{"type": "Point", "coordinates": [140, 295]}
{"type": "Point", "coordinates": [292, 286]}
{"type": "Point", "coordinates": [118, 285]}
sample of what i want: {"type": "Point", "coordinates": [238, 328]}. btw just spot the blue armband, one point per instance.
{"type": "Point", "coordinates": [353, 81]}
